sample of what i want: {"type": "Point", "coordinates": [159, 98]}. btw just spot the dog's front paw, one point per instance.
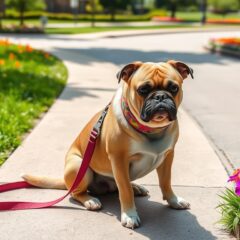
{"type": "Point", "coordinates": [130, 219]}
{"type": "Point", "coordinates": [93, 204]}
{"type": "Point", "coordinates": [178, 203]}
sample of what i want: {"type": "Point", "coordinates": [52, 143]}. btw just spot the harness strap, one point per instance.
{"type": "Point", "coordinates": [81, 172]}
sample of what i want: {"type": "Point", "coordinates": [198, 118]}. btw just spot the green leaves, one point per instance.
{"type": "Point", "coordinates": [222, 6]}
{"type": "Point", "coordinates": [29, 5]}
{"type": "Point", "coordinates": [230, 210]}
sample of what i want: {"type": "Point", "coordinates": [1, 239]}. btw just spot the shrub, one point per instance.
{"type": "Point", "coordinates": [223, 6]}
{"type": "Point", "coordinates": [13, 14]}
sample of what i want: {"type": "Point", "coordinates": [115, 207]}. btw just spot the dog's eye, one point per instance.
{"type": "Point", "coordinates": [144, 90]}
{"type": "Point", "coordinates": [173, 88]}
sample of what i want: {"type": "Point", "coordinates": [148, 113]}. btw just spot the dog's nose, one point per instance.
{"type": "Point", "coordinates": [160, 96]}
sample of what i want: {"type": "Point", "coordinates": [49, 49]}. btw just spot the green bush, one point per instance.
{"type": "Point", "coordinates": [29, 5]}
{"type": "Point", "coordinates": [223, 6]}
{"type": "Point", "coordinates": [13, 14]}
{"type": "Point", "coordinates": [158, 12]}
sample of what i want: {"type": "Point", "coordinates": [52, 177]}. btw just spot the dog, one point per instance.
{"type": "Point", "coordinates": [138, 135]}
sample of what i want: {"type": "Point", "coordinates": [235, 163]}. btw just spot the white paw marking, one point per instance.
{"type": "Point", "coordinates": [178, 203]}
{"type": "Point", "coordinates": [93, 204]}
{"type": "Point", "coordinates": [130, 219]}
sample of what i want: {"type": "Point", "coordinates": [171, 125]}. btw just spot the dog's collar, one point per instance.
{"type": "Point", "coordinates": [132, 120]}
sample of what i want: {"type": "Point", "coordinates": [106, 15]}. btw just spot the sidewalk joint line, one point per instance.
{"type": "Point", "coordinates": [185, 186]}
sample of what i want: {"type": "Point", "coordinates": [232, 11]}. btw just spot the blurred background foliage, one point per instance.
{"type": "Point", "coordinates": [66, 8]}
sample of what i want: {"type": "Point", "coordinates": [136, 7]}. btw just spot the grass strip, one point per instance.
{"type": "Point", "coordinates": [30, 80]}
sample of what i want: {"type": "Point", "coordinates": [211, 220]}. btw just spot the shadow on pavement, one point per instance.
{"type": "Point", "coordinates": [71, 92]}
{"type": "Point", "coordinates": [157, 220]}
{"type": "Point", "coordinates": [124, 56]}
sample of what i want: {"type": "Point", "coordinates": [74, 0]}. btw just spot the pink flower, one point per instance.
{"type": "Point", "coordinates": [236, 178]}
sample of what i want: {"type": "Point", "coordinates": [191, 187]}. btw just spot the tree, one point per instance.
{"type": "Point", "coordinates": [173, 8]}
{"type": "Point", "coordinates": [1, 12]}
{"type": "Point", "coordinates": [203, 7]}
{"type": "Point", "coordinates": [93, 6]}
{"type": "Point", "coordinates": [114, 5]}
{"type": "Point", "coordinates": [25, 5]}
{"type": "Point", "coordinates": [223, 6]}
{"type": "Point", "coordinates": [174, 5]}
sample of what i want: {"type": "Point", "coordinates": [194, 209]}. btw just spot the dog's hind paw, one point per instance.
{"type": "Point", "coordinates": [139, 190]}
{"type": "Point", "coordinates": [178, 203]}
{"type": "Point", "coordinates": [130, 219]}
{"type": "Point", "coordinates": [93, 204]}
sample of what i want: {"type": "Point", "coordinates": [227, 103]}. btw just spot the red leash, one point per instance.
{"type": "Point", "coordinates": [81, 172]}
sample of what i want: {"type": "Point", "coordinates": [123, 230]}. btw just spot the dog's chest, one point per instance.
{"type": "Point", "coordinates": [151, 154]}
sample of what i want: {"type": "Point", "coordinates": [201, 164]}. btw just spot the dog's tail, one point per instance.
{"type": "Point", "coordinates": [44, 182]}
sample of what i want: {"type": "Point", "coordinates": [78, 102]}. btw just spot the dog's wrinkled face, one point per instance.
{"type": "Point", "coordinates": [154, 90]}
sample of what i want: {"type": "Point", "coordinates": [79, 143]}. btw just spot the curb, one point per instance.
{"type": "Point", "coordinates": [223, 158]}
{"type": "Point", "coordinates": [130, 33]}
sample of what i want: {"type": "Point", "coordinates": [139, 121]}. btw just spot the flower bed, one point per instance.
{"type": "Point", "coordinates": [224, 21]}
{"type": "Point", "coordinates": [229, 46]}
{"type": "Point", "coordinates": [30, 80]}
{"type": "Point", "coordinates": [21, 29]}
{"type": "Point", "coordinates": [194, 19]}
{"type": "Point", "coordinates": [167, 19]}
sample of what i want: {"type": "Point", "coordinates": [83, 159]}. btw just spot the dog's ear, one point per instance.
{"type": "Point", "coordinates": [182, 68]}
{"type": "Point", "coordinates": [127, 71]}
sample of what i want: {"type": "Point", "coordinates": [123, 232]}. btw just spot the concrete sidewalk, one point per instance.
{"type": "Point", "coordinates": [198, 174]}
{"type": "Point", "coordinates": [115, 24]}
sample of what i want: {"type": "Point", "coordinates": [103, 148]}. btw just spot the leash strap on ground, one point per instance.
{"type": "Point", "coordinates": [4, 206]}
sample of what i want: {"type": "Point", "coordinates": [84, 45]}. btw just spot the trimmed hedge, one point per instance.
{"type": "Point", "coordinates": [11, 14]}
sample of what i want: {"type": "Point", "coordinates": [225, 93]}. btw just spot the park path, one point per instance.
{"type": "Point", "coordinates": [198, 174]}
{"type": "Point", "coordinates": [112, 24]}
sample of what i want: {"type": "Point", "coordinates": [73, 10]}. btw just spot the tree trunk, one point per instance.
{"type": "Point", "coordinates": [1, 12]}
{"type": "Point", "coordinates": [173, 8]}
{"type": "Point", "coordinates": [93, 12]}
{"type": "Point", "coordinates": [112, 14]}
{"type": "Point", "coordinates": [142, 7]}
{"type": "Point", "coordinates": [112, 10]}
{"type": "Point", "coordinates": [22, 7]}
{"type": "Point", "coordinates": [204, 11]}
{"type": "Point", "coordinates": [1, 20]}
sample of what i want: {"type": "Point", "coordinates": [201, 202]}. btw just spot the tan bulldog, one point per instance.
{"type": "Point", "coordinates": [138, 135]}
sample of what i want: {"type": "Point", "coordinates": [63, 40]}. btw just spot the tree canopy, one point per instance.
{"type": "Point", "coordinates": [25, 5]}
{"type": "Point", "coordinates": [29, 5]}
{"type": "Point", "coordinates": [223, 6]}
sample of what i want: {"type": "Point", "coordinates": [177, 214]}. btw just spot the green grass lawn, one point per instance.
{"type": "Point", "coordinates": [196, 16]}
{"type": "Point", "coordinates": [30, 80]}
{"type": "Point", "coordinates": [79, 30]}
